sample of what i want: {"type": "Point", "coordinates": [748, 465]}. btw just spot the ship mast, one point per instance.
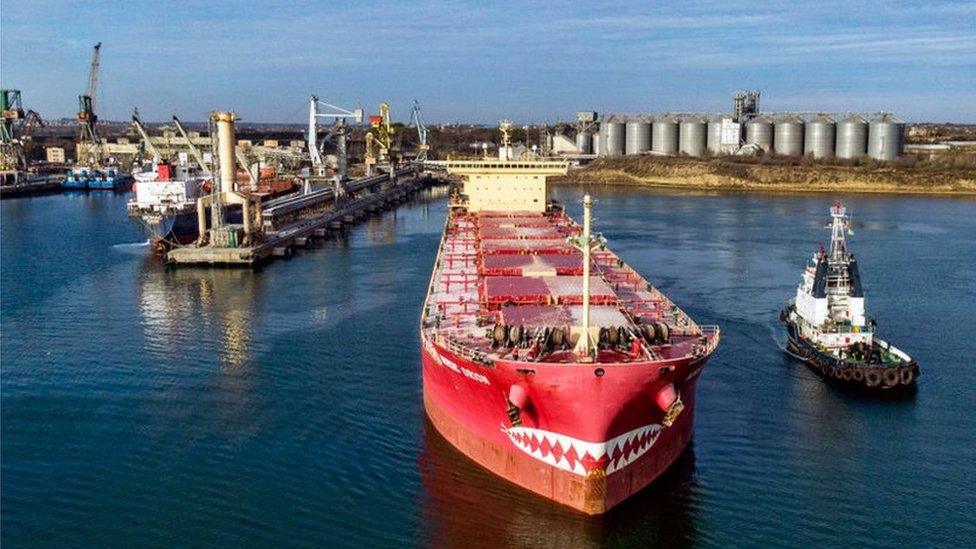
{"type": "Point", "coordinates": [838, 244]}
{"type": "Point", "coordinates": [838, 274]}
{"type": "Point", "coordinates": [585, 243]}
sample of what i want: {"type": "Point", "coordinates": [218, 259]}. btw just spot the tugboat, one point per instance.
{"type": "Point", "coordinates": [827, 326]}
{"type": "Point", "coordinates": [100, 178]}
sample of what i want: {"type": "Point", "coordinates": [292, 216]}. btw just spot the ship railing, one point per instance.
{"type": "Point", "coordinates": [710, 332]}
{"type": "Point", "coordinates": [463, 350]}
{"type": "Point", "coordinates": [844, 329]}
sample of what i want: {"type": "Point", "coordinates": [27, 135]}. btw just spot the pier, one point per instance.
{"type": "Point", "coordinates": [294, 222]}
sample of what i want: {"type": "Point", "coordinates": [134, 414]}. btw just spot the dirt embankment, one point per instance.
{"type": "Point", "coordinates": [950, 178]}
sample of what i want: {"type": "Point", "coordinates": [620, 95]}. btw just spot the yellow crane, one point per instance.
{"type": "Point", "coordinates": [380, 143]}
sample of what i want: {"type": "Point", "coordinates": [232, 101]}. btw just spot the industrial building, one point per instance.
{"type": "Point", "coordinates": [745, 131]}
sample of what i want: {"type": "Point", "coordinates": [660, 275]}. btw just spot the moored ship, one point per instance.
{"type": "Point", "coordinates": [166, 202]}
{"type": "Point", "coordinates": [166, 198]}
{"type": "Point", "coordinates": [546, 359]}
{"type": "Point", "coordinates": [827, 326]}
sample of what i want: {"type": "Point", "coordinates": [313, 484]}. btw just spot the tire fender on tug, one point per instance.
{"type": "Point", "coordinates": [872, 378]}
{"type": "Point", "coordinates": [891, 377]}
{"type": "Point", "coordinates": [907, 375]}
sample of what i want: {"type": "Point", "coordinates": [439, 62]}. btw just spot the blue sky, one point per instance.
{"type": "Point", "coordinates": [481, 61]}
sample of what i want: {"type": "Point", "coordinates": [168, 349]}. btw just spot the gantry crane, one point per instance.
{"type": "Point", "coordinates": [379, 144]}
{"type": "Point", "coordinates": [338, 132]}
{"type": "Point", "coordinates": [417, 119]}
{"type": "Point", "coordinates": [88, 136]}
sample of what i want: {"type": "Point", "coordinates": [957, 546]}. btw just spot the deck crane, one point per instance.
{"type": "Point", "coordinates": [339, 131]}
{"type": "Point", "coordinates": [417, 119]}
{"type": "Point", "coordinates": [86, 113]}
{"type": "Point", "coordinates": [144, 133]}
{"type": "Point", "coordinates": [189, 143]}
{"type": "Point", "coordinates": [379, 144]}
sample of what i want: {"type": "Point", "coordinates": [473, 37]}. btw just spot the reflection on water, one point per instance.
{"type": "Point", "coordinates": [149, 406]}
{"type": "Point", "coordinates": [177, 305]}
{"type": "Point", "coordinates": [464, 504]}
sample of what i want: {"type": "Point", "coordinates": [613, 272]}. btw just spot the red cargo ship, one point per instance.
{"type": "Point", "coordinates": [546, 359]}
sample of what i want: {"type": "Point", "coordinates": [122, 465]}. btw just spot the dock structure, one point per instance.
{"type": "Point", "coordinates": [24, 184]}
{"type": "Point", "coordinates": [294, 222]}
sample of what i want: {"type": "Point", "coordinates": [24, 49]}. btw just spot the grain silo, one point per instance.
{"type": "Point", "coordinates": [852, 137]}
{"type": "Point", "coordinates": [612, 138]}
{"type": "Point", "coordinates": [664, 136]}
{"type": "Point", "coordinates": [714, 139]}
{"type": "Point", "coordinates": [584, 143]}
{"type": "Point", "coordinates": [886, 138]}
{"type": "Point", "coordinates": [788, 136]}
{"type": "Point", "coordinates": [693, 136]}
{"type": "Point", "coordinates": [759, 132]}
{"type": "Point", "coordinates": [638, 139]}
{"type": "Point", "coordinates": [596, 145]}
{"type": "Point", "coordinates": [818, 139]}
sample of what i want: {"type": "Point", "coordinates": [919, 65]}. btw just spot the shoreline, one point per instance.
{"type": "Point", "coordinates": [618, 178]}
{"type": "Point", "coordinates": [695, 175]}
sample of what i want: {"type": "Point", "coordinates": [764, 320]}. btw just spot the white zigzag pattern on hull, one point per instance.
{"type": "Point", "coordinates": [522, 438]}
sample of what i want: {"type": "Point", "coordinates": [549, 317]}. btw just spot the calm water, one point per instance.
{"type": "Point", "coordinates": [149, 406]}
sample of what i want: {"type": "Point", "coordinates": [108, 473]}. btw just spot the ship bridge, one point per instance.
{"type": "Point", "coordinates": [506, 185]}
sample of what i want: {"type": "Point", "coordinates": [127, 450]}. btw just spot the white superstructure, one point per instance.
{"type": "Point", "coordinates": [166, 190]}
{"type": "Point", "coordinates": [829, 304]}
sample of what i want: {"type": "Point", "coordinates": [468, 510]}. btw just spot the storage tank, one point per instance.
{"type": "Point", "coordinates": [788, 136]}
{"type": "Point", "coordinates": [596, 145]}
{"type": "Point", "coordinates": [714, 140]}
{"type": "Point", "coordinates": [852, 137]}
{"type": "Point", "coordinates": [759, 132]}
{"type": "Point", "coordinates": [886, 138]}
{"type": "Point", "coordinates": [818, 139]}
{"type": "Point", "coordinates": [638, 137]}
{"type": "Point", "coordinates": [584, 143]}
{"type": "Point", "coordinates": [664, 136]}
{"type": "Point", "coordinates": [612, 138]}
{"type": "Point", "coordinates": [693, 136]}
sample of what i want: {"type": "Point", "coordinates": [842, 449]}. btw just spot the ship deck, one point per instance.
{"type": "Point", "coordinates": [517, 269]}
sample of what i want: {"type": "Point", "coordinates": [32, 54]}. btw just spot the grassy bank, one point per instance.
{"type": "Point", "coordinates": [956, 177]}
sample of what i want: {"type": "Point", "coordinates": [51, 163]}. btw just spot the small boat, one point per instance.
{"type": "Point", "coordinates": [109, 178]}
{"type": "Point", "coordinates": [77, 178]}
{"type": "Point", "coordinates": [86, 177]}
{"type": "Point", "coordinates": [827, 327]}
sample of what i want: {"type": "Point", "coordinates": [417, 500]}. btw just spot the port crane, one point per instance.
{"type": "Point", "coordinates": [380, 144]}
{"type": "Point", "coordinates": [16, 129]}
{"type": "Point", "coordinates": [339, 132]}
{"type": "Point", "coordinates": [88, 136]}
{"type": "Point", "coordinates": [11, 152]}
{"type": "Point", "coordinates": [417, 119]}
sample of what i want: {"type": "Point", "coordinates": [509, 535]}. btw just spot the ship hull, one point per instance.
{"type": "Point", "coordinates": [466, 404]}
{"type": "Point", "coordinates": [74, 184]}
{"type": "Point", "coordinates": [110, 184]}
{"type": "Point", "coordinates": [868, 378]}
